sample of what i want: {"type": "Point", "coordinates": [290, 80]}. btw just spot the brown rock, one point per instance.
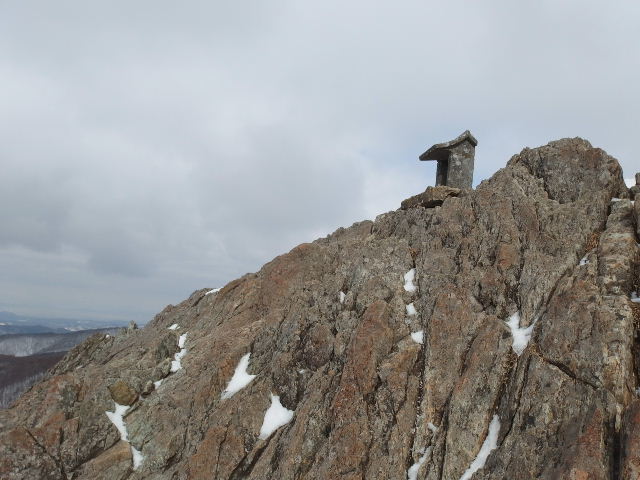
{"type": "Point", "coordinates": [122, 393]}
{"type": "Point", "coordinates": [113, 464]}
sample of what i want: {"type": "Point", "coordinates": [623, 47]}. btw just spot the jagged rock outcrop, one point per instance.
{"type": "Point", "coordinates": [392, 342]}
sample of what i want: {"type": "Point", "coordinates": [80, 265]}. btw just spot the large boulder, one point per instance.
{"type": "Point", "coordinates": [431, 197]}
{"type": "Point", "coordinates": [122, 393]}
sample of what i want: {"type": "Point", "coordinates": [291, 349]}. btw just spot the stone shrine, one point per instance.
{"type": "Point", "coordinates": [455, 161]}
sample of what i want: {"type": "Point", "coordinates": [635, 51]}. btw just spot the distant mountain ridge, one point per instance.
{"type": "Point", "coordinates": [22, 345]}
{"type": "Point", "coordinates": [11, 323]}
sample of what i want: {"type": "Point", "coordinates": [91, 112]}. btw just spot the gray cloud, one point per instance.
{"type": "Point", "coordinates": [149, 149]}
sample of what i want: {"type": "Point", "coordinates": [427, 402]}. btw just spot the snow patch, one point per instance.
{"type": "Point", "coordinates": [615, 199]}
{"type": "Point", "coordinates": [275, 417]}
{"type": "Point", "coordinates": [138, 458]}
{"type": "Point", "coordinates": [412, 473]}
{"type": "Point", "coordinates": [157, 383]}
{"type": "Point", "coordinates": [490, 444]}
{"type": "Point", "coordinates": [174, 326]}
{"type": "Point", "coordinates": [176, 364]}
{"type": "Point", "coordinates": [409, 277]}
{"type": "Point", "coordinates": [432, 427]}
{"type": "Point", "coordinates": [521, 335]}
{"type": "Point", "coordinates": [241, 378]}
{"type": "Point", "coordinates": [634, 297]}
{"type": "Point", "coordinates": [411, 310]}
{"type": "Point", "coordinates": [341, 297]}
{"type": "Point", "coordinates": [117, 418]}
{"type": "Point", "coordinates": [418, 337]}
{"type": "Point", "coordinates": [215, 290]}
{"type": "Point", "coordinates": [584, 260]}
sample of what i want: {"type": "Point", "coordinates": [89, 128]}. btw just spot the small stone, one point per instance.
{"type": "Point", "coordinates": [162, 369]}
{"type": "Point", "coordinates": [148, 388]}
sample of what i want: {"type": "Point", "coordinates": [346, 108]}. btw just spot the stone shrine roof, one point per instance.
{"type": "Point", "coordinates": [440, 151]}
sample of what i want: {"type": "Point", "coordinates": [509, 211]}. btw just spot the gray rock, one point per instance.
{"type": "Point", "coordinates": [635, 189]}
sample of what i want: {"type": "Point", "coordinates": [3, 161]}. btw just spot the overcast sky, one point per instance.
{"type": "Point", "coordinates": [151, 148]}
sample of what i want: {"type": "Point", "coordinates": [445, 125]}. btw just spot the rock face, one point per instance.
{"type": "Point", "coordinates": [392, 342]}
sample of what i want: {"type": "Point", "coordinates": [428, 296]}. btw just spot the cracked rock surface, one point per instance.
{"type": "Point", "coordinates": [329, 332]}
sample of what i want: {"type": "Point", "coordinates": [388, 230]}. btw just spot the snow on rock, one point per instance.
{"type": "Point", "coordinates": [176, 364]}
{"type": "Point", "coordinates": [490, 444]}
{"type": "Point", "coordinates": [157, 383]}
{"type": "Point", "coordinates": [521, 335]}
{"type": "Point", "coordinates": [584, 260]}
{"type": "Point", "coordinates": [409, 277]}
{"type": "Point", "coordinates": [117, 418]}
{"type": "Point", "coordinates": [241, 378]}
{"type": "Point", "coordinates": [615, 199]}
{"type": "Point", "coordinates": [412, 473]}
{"type": "Point", "coordinates": [275, 417]}
{"type": "Point", "coordinates": [341, 296]}
{"type": "Point", "coordinates": [634, 297]}
{"type": "Point", "coordinates": [411, 310]}
{"type": "Point", "coordinates": [175, 326]}
{"type": "Point", "coordinates": [418, 337]}
{"type": "Point", "coordinates": [215, 290]}
{"type": "Point", "coordinates": [432, 427]}
{"type": "Point", "coordinates": [138, 458]}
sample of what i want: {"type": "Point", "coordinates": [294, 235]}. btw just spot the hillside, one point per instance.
{"type": "Point", "coordinates": [491, 337]}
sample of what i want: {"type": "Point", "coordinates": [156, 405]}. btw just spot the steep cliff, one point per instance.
{"type": "Point", "coordinates": [491, 337]}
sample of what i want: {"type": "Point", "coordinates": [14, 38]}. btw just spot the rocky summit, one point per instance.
{"type": "Point", "coordinates": [493, 336]}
